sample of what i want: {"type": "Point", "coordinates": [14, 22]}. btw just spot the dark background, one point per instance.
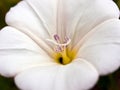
{"type": "Point", "coordinates": [110, 82]}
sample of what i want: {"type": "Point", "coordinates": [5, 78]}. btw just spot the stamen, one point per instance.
{"type": "Point", "coordinates": [63, 56]}
{"type": "Point", "coordinates": [57, 38]}
{"type": "Point", "coordinates": [58, 49]}
{"type": "Point", "coordinates": [60, 46]}
{"type": "Point", "coordinates": [66, 39]}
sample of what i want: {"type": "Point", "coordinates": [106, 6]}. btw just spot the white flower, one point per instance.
{"type": "Point", "coordinates": [60, 44]}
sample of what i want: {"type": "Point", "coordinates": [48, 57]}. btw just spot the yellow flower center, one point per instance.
{"type": "Point", "coordinates": [63, 55]}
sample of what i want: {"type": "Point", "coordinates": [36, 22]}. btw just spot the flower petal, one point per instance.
{"type": "Point", "coordinates": [11, 38]}
{"type": "Point", "coordinates": [89, 15]}
{"type": "Point", "coordinates": [101, 46]}
{"type": "Point", "coordinates": [25, 20]}
{"type": "Point", "coordinates": [79, 75]}
{"type": "Point", "coordinates": [44, 18]}
{"type": "Point", "coordinates": [19, 52]}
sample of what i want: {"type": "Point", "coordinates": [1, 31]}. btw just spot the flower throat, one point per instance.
{"type": "Point", "coordinates": [63, 55]}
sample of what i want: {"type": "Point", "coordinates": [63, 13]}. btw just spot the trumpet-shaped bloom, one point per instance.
{"type": "Point", "coordinates": [60, 44]}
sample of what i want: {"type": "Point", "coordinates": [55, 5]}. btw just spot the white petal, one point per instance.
{"type": "Point", "coordinates": [101, 47]}
{"type": "Point", "coordinates": [11, 38]}
{"type": "Point", "coordinates": [92, 13]}
{"type": "Point", "coordinates": [18, 52]}
{"type": "Point", "coordinates": [79, 75]}
{"type": "Point", "coordinates": [43, 17]}
{"type": "Point", "coordinates": [23, 17]}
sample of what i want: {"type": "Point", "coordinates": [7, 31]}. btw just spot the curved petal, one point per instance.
{"type": "Point", "coordinates": [94, 13]}
{"type": "Point", "coordinates": [101, 47]}
{"type": "Point", "coordinates": [18, 52]}
{"type": "Point", "coordinates": [79, 75]}
{"type": "Point", "coordinates": [24, 18]}
{"type": "Point", "coordinates": [11, 38]}
{"type": "Point", "coordinates": [73, 18]}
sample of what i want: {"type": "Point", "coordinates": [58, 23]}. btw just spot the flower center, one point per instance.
{"type": "Point", "coordinates": [63, 54]}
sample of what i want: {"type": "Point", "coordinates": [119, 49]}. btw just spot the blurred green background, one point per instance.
{"type": "Point", "coordinates": [110, 82]}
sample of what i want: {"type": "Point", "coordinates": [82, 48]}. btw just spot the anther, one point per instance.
{"type": "Point", "coordinates": [57, 38]}
{"type": "Point", "coordinates": [59, 46]}
{"type": "Point", "coordinates": [66, 39]}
